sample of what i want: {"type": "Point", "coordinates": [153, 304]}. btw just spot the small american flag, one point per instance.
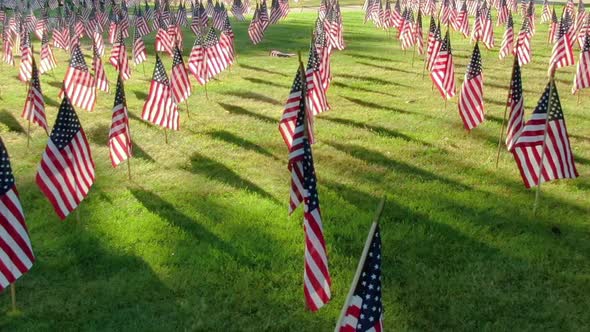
{"type": "Point", "coordinates": [546, 15]}
{"type": "Point", "coordinates": [406, 35]}
{"type": "Point", "coordinates": [34, 110]}
{"type": "Point", "coordinates": [364, 308]}
{"type": "Point", "coordinates": [238, 10]}
{"type": "Point", "coordinates": [487, 30]}
{"type": "Point", "coordinates": [119, 58]}
{"type": "Point", "coordinates": [139, 54]}
{"type": "Point", "coordinates": [562, 54]}
{"type": "Point", "coordinates": [316, 94]}
{"type": "Point", "coordinates": [17, 254]}
{"type": "Point", "coordinates": [66, 172]}
{"type": "Point", "coordinates": [324, 54]}
{"type": "Point", "coordinates": [179, 81]}
{"type": "Point", "coordinates": [196, 62]}
{"type": "Point", "coordinates": [181, 18]}
{"type": "Point", "coordinates": [255, 31]}
{"type": "Point", "coordinates": [215, 63]}
{"type": "Point", "coordinates": [226, 42]}
{"type": "Point", "coordinates": [263, 16]}
{"type": "Point", "coordinates": [100, 76]}
{"type": "Point", "coordinates": [418, 35]}
{"type": "Point", "coordinates": [503, 13]}
{"type": "Point", "coordinates": [79, 84]}
{"type": "Point", "coordinates": [164, 42]}
{"type": "Point", "coordinates": [98, 42]}
{"type": "Point", "coordinates": [554, 27]}
{"type": "Point", "coordinates": [471, 100]}
{"type": "Point", "coordinates": [120, 136]}
{"type": "Point", "coordinates": [545, 153]}
{"type": "Point", "coordinates": [141, 26]}
{"type": "Point", "coordinates": [287, 125]}
{"type": "Point", "coordinates": [200, 19]}
{"type": "Point", "coordinates": [434, 43]}
{"type": "Point", "coordinates": [160, 108]}
{"type": "Point", "coordinates": [275, 12]}
{"type": "Point", "coordinates": [582, 78]}
{"type": "Point", "coordinates": [523, 44]}
{"type": "Point", "coordinates": [516, 106]}
{"type": "Point", "coordinates": [507, 46]}
{"type": "Point", "coordinates": [26, 59]}
{"type": "Point", "coordinates": [443, 69]}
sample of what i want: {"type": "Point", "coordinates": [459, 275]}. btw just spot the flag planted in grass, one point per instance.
{"type": "Point", "coordinates": [79, 84]}
{"type": "Point", "coordinates": [120, 135]}
{"type": "Point", "coordinates": [582, 78]}
{"type": "Point", "coordinates": [17, 254]}
{"type": "Point", "coordinates": [443, 69]}
{"type": "Point", "coordinates": [471, 100]}
{"type": "Point", "coordinates": [34, 110]}
{"type": "Point", "coordinates": [516, 107]}
{"type": "Point", "coordinates": [66, 172]}
{"type": "Point", "coordinates": [47, 58]}
{"type": "Point", "coordinates": [160, 108]}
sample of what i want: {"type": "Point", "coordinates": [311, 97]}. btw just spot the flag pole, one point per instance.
{"type": "Point", "coordinates": [29, 134]}
{"type": "Point", "coordinates": [187, 112]}
{"type": "Point", "coordinates": [505, 113]}
{"type": "Point", "coordinates": [13, 296]}
{"type": "Point", "coordinates": [540, 171]}
{"type": "Point", "coordinates": [359, 268]}
{"type": "Point", "coordinates": [166, 135]}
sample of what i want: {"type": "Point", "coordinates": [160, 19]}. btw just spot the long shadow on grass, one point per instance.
{"type": "Point", "coordinates": [265, 82]}
{"type": "Point", "coordinates": [217, 171]}
{"type": "Point", "coordinates": [262, 69]}
{"type": "Point", "coordinates": [253, 96]}
{"type": "Point", "coordinates": [172, 215]}
{"type": "Point", "coordinates": [230, 138]}
{"type": "Point", "coordinates": [50, 101]}
{"type": "Point", "coordinates": [385, 67]}
{"type": "Point", "coordinates": [366, 57]}
{"type": "Point", "coordinates": [376, 129]}
{"type": "Point", "coordinates": [11, 122]}
{"type": "Point", "coordinates": [579, 137]}
{"type": "Point", "coordinates": [371, 105]}
{"type": "Point", "coordinates": [356, 88]}
{"type": "Point", "coordinates": [373, 80]}
{"type": "Point", "coordinates": [234, 109]}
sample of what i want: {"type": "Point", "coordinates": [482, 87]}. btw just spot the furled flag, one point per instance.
{"type": "Point", "coordinates": [100, 76]}
{"type": "Point", "coordinates": [554, 27]}
{"type": "Point", "coordinates": [523, 44]}
{"type": "Point", "coordinates": [255, 31]}
{"type": "Point", "coordinates": [226, 42]}
{"type": "Point", "coordinates": [418, 36]}
{"type": "Point", "coordinates": [542, 149]}
{"type": "Point", "coordinates": [317, 280]}
{"type": "Point", "coordinates": [364, 306]}
{"type": "Point", "coordinates": [263, 16]}
{"type": "Point", "coordinates": [26, 59]}
{"type": "Point", "coordinates": [434, 43]}
{"type": "Point", "coordinates": [8, 57]}
{"type": "Point", "coordinates": [287, 125]}
{"type": "Point", "coordinates": [507, 46]}
{"type": "Point", "coordinates": [196, 61]}
{"type": "Point", "coordinates": [159, 108]}
{"type": "Point", "coordinates": [139, 54]}
{"type": "Point", "coordinates": [487, 30]}
{"type": "Point", "coordinates": [562, 54]}
{"type": "Point", "coordinates": [316, 94]}
{"type": "Point", "coordinates": [141, 25]}
{"type": "Point", "coordinates": [47, 59]}
{"type": "Point", "coordinates": [17, 254]}
{"type": "Point", "coordinates": [471, 99]}
{"type": "Point", "coordinates": [120, 136]}
{"type": "Point", "coordinates": [516, 107]}
{"type": "Point", "coordinates": [179, 81]}
{"type": "Point", "coordinates": [546, 14]}
{"type": "Point", "coordinates": [237, 10]}
{"type": "Point", "coordinates": [79, 84]}
{"type": "Point", "coordinates": [582, 78]}
{"type": "Point", "coordinates": [462, 19]}
{"type": "Point", "coordinates": [119, 58]}
{"type": "Point", "coordinates": [163, 41]}
{"type": "Point", "coordinates": [443, 69]}
{"type": "Point", "coordinates": [66, 172]}
{"type": "Point", "coordinates": [502, 13]}
{"type": "Point", "coordinates": [215, 63]}
{"type": "Point", "coordinates": [34, 109]}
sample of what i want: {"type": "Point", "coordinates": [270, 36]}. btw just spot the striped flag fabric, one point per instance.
{"type": "Point", "coordinates": [503, 13]}
{"type": "Point", "coordinates": [100, 76]}
{"type": "Point", "coordinates": [316, 94]}
{"type": "Point", "coordinates": [215, 62]}
{"type": "Point", "coordinates": [47, 58]}
{"type": "Point", "coordinates": [226, 42]}
{"type": "Point", "coordinates": [523, 44]}
{"type": "Point", "coordinates": [8, 57]}
{"type": "Point", "coordinates": [418, 35]}
{"type": "Point", "coordinates": [542, 151]}
{"type": "Point", "coordinates": [507, 46]}
{"type": "Point", "coordinates": [79, 84]}
{"type": "Point", "coordinates": [17, 253]}
{"type": "Point", "coordinates": [179, 81]}
{"type": "Point", "coordinates": [562, 54]}
{"type": "Point", "coordinates": [34, 109]}
{"type": "Point", "coordinates": [582, 78]}
{"type": "Point", "coordinates": [255, 31]}
{"type": "Point", "coordinates": [443, 69]}
{"type": "Point", "coordinates": [119, 58]}
{"type": "Point", "coordinates": [139, 53]}
{"type": "Point", "coordinates": [546, 14]}
{"type": "Point", "coordinates": [141, 25]}
{"type": "Point", "coordinates": [487, 30]}
{"type": "Point", "coordinates": [66, 171]}
{"type": "Point", "coordinates": [434, 42]}
{"type": "Point", "coordinates": [164, 42]}
{"type": "Point", "coordinates": [26, 59]}
{"type": "Point", "coordinates": [554, 27]}
{"type": "Point", "coordinates": [516, 107]}
{"type": "Point", "coordinates": [159, 108]}
{"type": "Point", "coordinates": [98, 41]}
{"type": "Point", "coordinates": [120, 146]}
{"type": "Point", "coordinates": [289, 118]}
{"type": "Point", "coordinates": [364, 308]}
{"type": "Point", "coordinates": [263, 16]}
{"type": "Point", "coordinates": [196, 62]}
{"type": "Point", "coordinates": [462, 19]}
{"type": "Point", "coordinates": [471, 99]}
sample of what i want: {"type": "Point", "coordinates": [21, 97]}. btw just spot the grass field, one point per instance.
{"type": "Point", "coordinates": [200, 238]}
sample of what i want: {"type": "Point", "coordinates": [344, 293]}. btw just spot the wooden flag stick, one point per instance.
{"type": "Point", "coordinates": [13, 296]}
{"type": "Point", "coordinates": [166, 135]}
{"type": "Point", "coordinates": [359, 268]}
{"type": "Point", "coordinates": [129, 167]}
{"type": "Point", "coordinates": [413, 55]}
{"type": "Point", "coordinates": [540, 171]}
{"type": "Point", "coordinates": [206, 94]}
{"type": "Point", "coordinates": [579, 92]}
{"type": "Point", "coordinates": [188, 114]}
{"type": "Point", "coordinates": [505, 113]}
{"type": "Point", "coordinates": [29, 134]}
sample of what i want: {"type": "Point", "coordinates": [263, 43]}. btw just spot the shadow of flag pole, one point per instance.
{"type": "Point", "coordinates": [359, 268]}
{"type": "Point", "coordinates": [540, 171]}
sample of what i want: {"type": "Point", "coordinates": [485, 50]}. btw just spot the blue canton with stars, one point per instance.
{"type": "Point", "coordinates": [6, 177]}
{"type": "Point", "coordinates": [369, 286]}
{"type": "Point", "coordinates": [160, 72]}
{"type": "Point", "coordinates": [554, 110]}
{"type": "Point", "coordinates": [66, 126]}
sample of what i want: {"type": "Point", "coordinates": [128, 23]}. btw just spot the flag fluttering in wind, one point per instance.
{"type": "Point", "coordinates": [66, 172]}
{"type": "Point", "coordinates": [443, 69]}
{"type": "Point", "coordinates": [546, 14]}
{"type": "Point", "coordinates": [179, 81]}
{"type": "Point", "coordinates": [582, 78]}
{"type": "Point", "coordinates": [255, 31]}
{"type": "Point", "coordinates": [562, 54]}
{"type": "Point", "coordinates": [26, 59]}
{"type": "Point", "coordinates": [515, 106]}
{"type": "Point", "coordinates": [17, 254]}
{"type": "Point", "coordinates": [119, 58]}
{"type": "Point", "coordinates": [507, 46]}
{"type": "Point", "coordinates": [542, 150]}
{"type": "Point", "coordinates": [196, 61]}
{"type": "Point", "coordinates": [364, 306]}
{"type": "Point", "coordinates": [100, 76]}
{"type": "Point", "coordinates": [34, 109]}
{"type": "Point", "coordinates": [139, 54]}
{"type": "Point", "coordinates": [79, 84]}
{"type": "Point", "coordinates": [523, 44]}
{"type": "Point", "coordinates": [159, 108]}
{"type": "Point", "coordinates": [47, 59]}
{"type": "Point", "coordinates": [120, 146]}
{"type": "Point", "coordinates": [471, 99]}
{"type": "Point", "coordinates": [316, 94]}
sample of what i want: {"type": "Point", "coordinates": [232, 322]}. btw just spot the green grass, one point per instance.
{"type": "Point", "coordinates": [200, 238]}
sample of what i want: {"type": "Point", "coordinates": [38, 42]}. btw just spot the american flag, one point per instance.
{"type": "Point", "coordinates": [160, 108]}
{"type": "Point", "coordinates": [287, 125]}
{"type": "Point", "coordinates": [164, 42]}
{"type": "Point", "coordinates": [226, 42]}
{"type": "Point", "coordinates": [120, 136]}
{"type": "Point", "coordinates": [443, 69]}
{"type": "Point", "coordinates": [316, 94]}
{"type": "Point", "coordinates": [516, 106]}
{"type": "Point", "coordinates": [179, 81]}
{"type": "Point", "coordinates": [210, 8]}
{"type": "Point", "coordinates": [478, 25]}
{"type": "Point", "coordinates": [79, 84]}
{"type": "Point", "coordinates": [418, 36]}
{"type": "Point", "coordinates": [34, 109]}
{"type": "Point", "coordinates": [199, 20]}
{"type": "Point", "coordinates": [583, 30]}
{"type": "Point", "coordinates": [275, 12]}
{"type": "Point", "coordinates": [562, 54]}
{"type": "Point", "coordinates": [531, 16]}
{"type": "Point", "coordinates": [364, 309]}
{"type": "Point", "coordinates": [17, 254]}
{"type": "Point", "coordinates": [47, 59]}
{"type": "Point", "coordinates": [255, 31]}
{"type": "Point", "coordinates": [238, 10]}
{"type": "Point", "coordinates": [283, 8]}
{"type": "Point", "coordinates": [546, 14]}
{"type": "Point", "coordinates": [507, 46]}
{"type": "Point", "coordinates": [98, 41]}
{"type": "Point", "coordinates": [463, 20]}
{"type": "Point", "coordinates": [543, 146]}
{"type": "Point", "coordinates": [434, 42]}
{"type": "Point", "coordinates": [471, 99]}
{"type": "Point", "coordinates": [100, 76]}
{"type": "Point", "coordinates": [139, 54]}
{"type": "Point", "coordinates": [218, 16]}
{"type": "Point", "coordinates": [66, 172]}
{"type": "Point", "coordinates": [26, 59]}
{"type": "Point", "coordinates": [523, 45]}
{"type": "Point", "coordinates": [407, 32]}
{"type": "Point", "coordinates": [149, 12]}
{"type": "Point", "coordinates": [141, 26]}
{"type": "Point", "coordinates": [582, 78]}
{"type": "Point", "coordinates": [554, 27]}
{"type": "Point", "coordinates": [181, 18]}
{"type": "Point", "coordinates": [580, 15]}
{"type": "Point", "coordinates": [119, 58]}
{"type": "Point", "coordinates": [263, 16]}
{"type": "Point", "coordinates": [215, 63]}
{"type": "Point", "coordinates": [324, 53]}
{"type": "Point", "coordinates": [487, 30]}
{"type": "Point", "coordinates": [503, 13]}
{"type": "Point", "coordinates": [196, 62]}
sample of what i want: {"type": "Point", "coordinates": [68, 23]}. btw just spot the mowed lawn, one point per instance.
{"type": "Point", "coordinates": [200, 239]}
